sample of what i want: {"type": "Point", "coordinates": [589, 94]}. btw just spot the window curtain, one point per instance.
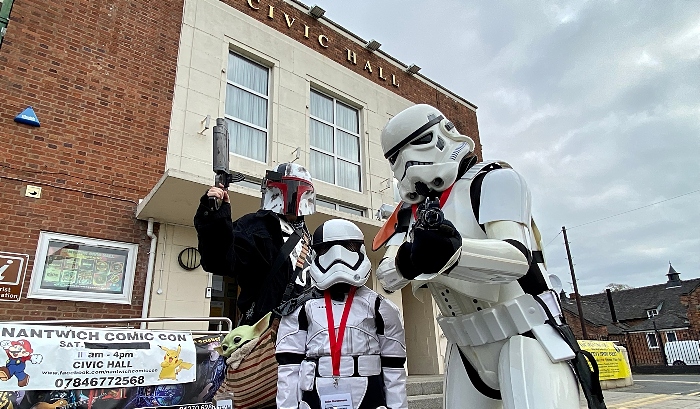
{"type": "Point", "coordinates": [247, 107]}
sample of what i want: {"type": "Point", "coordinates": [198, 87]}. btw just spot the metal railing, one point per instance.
{"type": "Point", "coordinates": [112, 321]}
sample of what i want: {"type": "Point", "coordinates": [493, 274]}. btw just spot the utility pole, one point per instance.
{"type": "Point", "coordinates": [573, 277]}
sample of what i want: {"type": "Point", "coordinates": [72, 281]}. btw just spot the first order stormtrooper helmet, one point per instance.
{"type": "Point", "coordinates": [340, 256]}
{"type": "Point", "coordinates": [288, 189]}
{"type": "Point", "coordinates": [423, 146]}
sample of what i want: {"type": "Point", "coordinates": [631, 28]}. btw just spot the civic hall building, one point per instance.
{"type": "Point", "coordinates": [98, 200]}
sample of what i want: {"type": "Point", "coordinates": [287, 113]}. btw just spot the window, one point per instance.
{"type": "Point", "coordinates": [83, 269]}
{"type": "Point", "coordinates": [338, 206]}
{"type": "Point", "coordinates": [247, 91]}
{"type": "Point", "coordinates": [652, 341]}
{"type": "Point", "coordinates": [335, 141]}
{"type": "Point", "coordinates": [652, 313]}
{"type": "Point", "coordinates": [5, 9]}
{"type": "Point", "coordinates": [671, 336]}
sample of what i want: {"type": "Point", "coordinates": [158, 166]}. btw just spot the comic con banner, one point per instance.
{"type": "Point", "coordinates": [52, 357]}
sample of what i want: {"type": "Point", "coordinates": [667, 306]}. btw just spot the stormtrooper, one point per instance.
{"type": "Point", "coordinates": [464, 231]}
{"type": "Point", "coordinates": [344, 348]}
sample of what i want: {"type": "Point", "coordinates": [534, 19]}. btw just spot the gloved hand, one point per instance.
{"type": "Point", "coordinates": [431, 249]}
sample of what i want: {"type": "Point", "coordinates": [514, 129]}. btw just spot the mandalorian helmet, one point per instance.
{"type": "Point", "coordinates": [288, 190]}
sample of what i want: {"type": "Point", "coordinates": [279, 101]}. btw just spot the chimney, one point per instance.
{"type": "Point", "coordinates": [562, 296]}
{"type": "Point", "coordinates": [612, 306]}
{"type": "Point", "coordinates": [673, 277]}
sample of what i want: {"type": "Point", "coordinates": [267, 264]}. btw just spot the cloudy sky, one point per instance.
{"type": "Point", "coordinates": [596, 103]}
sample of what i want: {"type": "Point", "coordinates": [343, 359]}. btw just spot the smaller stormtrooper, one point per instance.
{"type": "Point", "coordinates": [359, 363]}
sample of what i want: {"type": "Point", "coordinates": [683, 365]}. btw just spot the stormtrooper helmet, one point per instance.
{"type": "Point", "coordinates": [288, 189]}
{"type": "Point", "coordinates": [339, 255]}
{"type": "Point", "coordinates": [423, 146]}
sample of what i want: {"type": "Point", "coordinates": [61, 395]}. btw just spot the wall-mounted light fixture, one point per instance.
{"type": "Point", "coordinates": [206, 123]}
{"type": "Point", "coordinates": [373, 45]}
{"type": "Point", "coordinates": [385, 211]}
{"type": "Point", "coordinates": [412, 69]}
{"type": "Point", "coordinates": [297, 154]}
{"type": "Point", "coordinates": [189, 258]}
{"type": "Point", "coordinates": [316, 11]}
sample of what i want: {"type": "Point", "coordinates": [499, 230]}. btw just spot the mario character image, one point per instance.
{"type": "Point", "coordinates": [18, 353]}
{"type": "Point", "coordinates": [172, 364]}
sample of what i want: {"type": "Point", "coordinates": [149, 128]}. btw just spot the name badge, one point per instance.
{"type": "Point", "coordinates": [336, 401]}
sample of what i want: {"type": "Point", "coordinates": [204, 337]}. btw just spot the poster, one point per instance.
{"type": "Point", "coordinates": [79, 267]}
{"type": "Point", "coordinates": [53, 357]}
{"type": "Point", "coordinates": [611, 361]}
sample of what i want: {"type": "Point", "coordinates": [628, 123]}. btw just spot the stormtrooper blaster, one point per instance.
{"type": "Point", "coordinates": [428, 215]}
{"type": "Point", "coordinates": [224, 177]}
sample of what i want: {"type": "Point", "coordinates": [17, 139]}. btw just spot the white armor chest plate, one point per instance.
{"type": "Point", "coordinates": [458, 210]}
{"type": "Point", "coordinates": [360, 331]}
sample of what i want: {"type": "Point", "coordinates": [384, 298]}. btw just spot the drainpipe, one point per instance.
{"type": "Point", "coordinates": [149, 271]}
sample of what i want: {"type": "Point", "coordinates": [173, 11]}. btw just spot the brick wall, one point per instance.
{"type": "Point", "coordinates": [410, 87]}
{"type": "Point", "coordinates": [100, 76]}
{"type": "Point", "coordinates": [692, 302]}
{"type": "Point", "coordinates": [599, 332]}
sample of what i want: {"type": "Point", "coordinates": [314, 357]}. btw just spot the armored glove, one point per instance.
{"type": "Point", "coordinates": [432, 248]}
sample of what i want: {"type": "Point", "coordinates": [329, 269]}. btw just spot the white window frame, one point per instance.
{"type": "Point", "coordinates": [652, 313]}
{"type": "Point", "coordinates": [335, 156]}
{"type": "Point", "coordinates": [35, 290]}
{"type": "Point", "coordinates": [656, 340]}
{"type": "Point", "coordinates": [675, 337]}
{"type": "Point", "coordinates": [266, 97]}
{"type": "Point", "coordinates": [340, 207]}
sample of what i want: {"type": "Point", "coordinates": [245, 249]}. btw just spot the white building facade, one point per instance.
{"type": "Point", "coordinates": [292, 87]}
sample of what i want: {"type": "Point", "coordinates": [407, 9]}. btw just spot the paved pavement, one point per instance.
{"type": "Point", "coordinates": [629, 400]}
{"type": "Point", "coordinates": [656, 391]}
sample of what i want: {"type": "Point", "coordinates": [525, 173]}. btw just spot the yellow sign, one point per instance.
{"type": "Point", "coordinates": [611, 361]}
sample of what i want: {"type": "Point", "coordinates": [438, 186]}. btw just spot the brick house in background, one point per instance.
{"type": "Point", "coordinates": [642, 319]}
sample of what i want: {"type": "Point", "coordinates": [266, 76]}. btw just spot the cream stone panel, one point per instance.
{"type": "Point", "coordinates": [196, 167]}
{"type": "Point", "coordinates": [291, 128]}
{"type": "Point", "coordinates": [293, 100]}
{"type": "Point", "coordinates": [202, 104]}
{"type": "Point", "coordinates": [184, 236]}
{"type": "Point", "coordinates": [177, 123]}
{"type": "Point", "coordinates": [195, 145]}
{"type": "Point", "coordinates": [207, 84]}
{"type": "Point", "coordinates": [207, 61]}
{"type": "Point", "coordinates": [189, 12]}
{"type": "Point", "coordinates": [180, 98]}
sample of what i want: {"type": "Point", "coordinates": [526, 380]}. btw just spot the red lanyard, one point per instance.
{"type": "Point", "coordinates": [336, 344]}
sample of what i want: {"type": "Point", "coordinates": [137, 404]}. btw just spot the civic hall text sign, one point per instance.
{"type": "Point", "coordinates": [53, 357]}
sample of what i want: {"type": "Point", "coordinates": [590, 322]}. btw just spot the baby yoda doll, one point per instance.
{"type": "Point", "coordinates": [241, 340]}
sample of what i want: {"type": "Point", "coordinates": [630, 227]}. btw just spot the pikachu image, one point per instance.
{"type": "Point", "coordinates": [172, 364]}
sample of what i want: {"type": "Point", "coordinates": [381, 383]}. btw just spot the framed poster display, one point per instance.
{"type": "Point", "coordinates": [75, 268]}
